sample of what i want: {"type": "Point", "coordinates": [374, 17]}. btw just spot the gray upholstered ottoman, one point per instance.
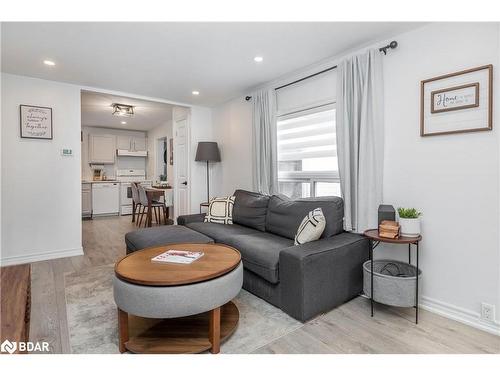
{"type": "Point", "coordinates": [177, 308]}
{"type": "Point", "coordinates": [175, 301]}
{"type": "Point", "coordinates": [163, 235]}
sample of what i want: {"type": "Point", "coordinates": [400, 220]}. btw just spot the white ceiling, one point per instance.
{"type": "Point", "coordinates": [97, 111]}
{"type": "Point", "coordinates": [170, 60]}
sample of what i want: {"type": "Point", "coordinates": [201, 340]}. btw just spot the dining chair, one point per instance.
{"type": "Point", "coordinates": [135, 199]}
{"type": "Point", "coordinates": [156, 206]}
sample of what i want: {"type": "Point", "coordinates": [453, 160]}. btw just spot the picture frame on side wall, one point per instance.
{"type": "Point", "coordinates": [460, 102]}
{"type": "Point", "coordinates": [171, 151]}
{"type": "Point", "coordinates": [35, 122]}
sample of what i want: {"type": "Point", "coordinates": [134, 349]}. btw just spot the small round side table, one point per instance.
{"type": "Point", "coordinates": [375, 240]}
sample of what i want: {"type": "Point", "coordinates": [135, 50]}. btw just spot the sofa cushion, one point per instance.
{"type": "Point", "coordinates": [220, 210]}
{"type": "Point", "coordinates": [285, 215]}
{"type": "Point", "coordinates": [260, 253]}
{"type": "Point", "coordinates": [163, 235]}
{"type": "Point", "coordinates": [219, 232]}
{"type": "Point", "coordinates": [250, 209]}
{"type": "Point", "coordinates": [311, 228]}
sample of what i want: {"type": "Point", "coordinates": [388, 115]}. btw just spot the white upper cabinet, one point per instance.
{"type": "Point", "coordinates": [123, 143]}
{"type": "Point", "coordinates": [139, 144]}
{"type": "Point", "coordinates": [102, 149]}
{"type": "Point", "coordinates": [129, 143]}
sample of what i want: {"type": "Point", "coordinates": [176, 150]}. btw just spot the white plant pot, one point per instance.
{"type": "Point", "coordinates": [410, 227]}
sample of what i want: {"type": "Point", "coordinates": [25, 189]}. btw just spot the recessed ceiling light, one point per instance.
{"type": "Point", "coordinates": [196, 93]}
{"type": "Point", "coordinates": [49, 62]}
{"type": "Point", "coordinates": [124, 122]}
{"type": "Point", "coordinates": [258, 59]}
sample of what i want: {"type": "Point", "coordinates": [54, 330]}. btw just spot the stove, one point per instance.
{"type": "Point", "coordinates": [126, 176]}
{"type": "Point", "coordinates": [130, 175]}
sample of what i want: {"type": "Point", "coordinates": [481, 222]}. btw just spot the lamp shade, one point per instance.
{"type": "Point", "coordinates": [207, 151]}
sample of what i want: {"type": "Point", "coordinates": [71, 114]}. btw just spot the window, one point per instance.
{"type": "Point", "coordinates": [307, 154]}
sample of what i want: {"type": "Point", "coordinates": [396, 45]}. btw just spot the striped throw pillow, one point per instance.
{"type": "Point", "coordinates": [311, 227]}
{"type": "Point", "coordinates": [220, 210]}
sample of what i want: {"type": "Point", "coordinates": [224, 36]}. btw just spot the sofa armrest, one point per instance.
{"type": "Point", "coordinates": [320, 275]}
{"type": "Point", "coordinates": [187, 219]}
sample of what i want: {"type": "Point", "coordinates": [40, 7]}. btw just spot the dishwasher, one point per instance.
{"type": "Point", "coordinates": [105, 198]}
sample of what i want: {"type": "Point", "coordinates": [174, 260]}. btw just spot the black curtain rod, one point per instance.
{"type": "Point", "coordinates": [383, 49]}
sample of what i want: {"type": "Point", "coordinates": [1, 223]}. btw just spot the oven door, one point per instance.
{"type": "Point", "coordinates": [126, 194]}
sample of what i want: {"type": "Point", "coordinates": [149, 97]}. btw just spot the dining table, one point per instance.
{"type": "Point", "coordinates": [153, 194]}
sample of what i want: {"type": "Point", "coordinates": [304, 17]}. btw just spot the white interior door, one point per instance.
{"type": "Point", "coordinates": [181, 162]}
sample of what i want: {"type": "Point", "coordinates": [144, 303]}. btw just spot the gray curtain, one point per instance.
{"type": "Point", "coordinates": [264, 142]}
{"type": "Point", "coordinates": [360, 138]}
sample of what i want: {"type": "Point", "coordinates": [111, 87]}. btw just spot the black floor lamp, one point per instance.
{"type": "Point", "coordinates": [207, 151]}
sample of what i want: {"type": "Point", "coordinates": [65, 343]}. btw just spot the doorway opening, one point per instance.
{"type": "Point", "coordinates": [118, 150]}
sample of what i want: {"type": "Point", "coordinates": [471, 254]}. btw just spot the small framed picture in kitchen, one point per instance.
{"type": "Point", "coordinates": [36, 122]}
{"type": "Point", "coordinates": [460, 102]}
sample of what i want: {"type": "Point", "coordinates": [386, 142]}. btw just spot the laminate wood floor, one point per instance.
{"type": "Point", "coordinates": [346, 329]}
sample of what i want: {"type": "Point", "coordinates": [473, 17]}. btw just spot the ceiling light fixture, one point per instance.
{"type": "Point", "coordinates": [123, 110]}
{"type": "Point", "coordinates": [196, 93]}
{"type": "Point", "coordinates": [49, 62]}
{"type": "Point", "coordinates": [124, 122]}
{"type": "Point", "coordinates": [258, 59]}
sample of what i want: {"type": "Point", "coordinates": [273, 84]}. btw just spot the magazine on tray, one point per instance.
{"type": "Point", "coordinates": [177, 256]}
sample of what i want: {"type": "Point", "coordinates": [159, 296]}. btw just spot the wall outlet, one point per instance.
{"type": "Point", "coordinates": [487, 312]}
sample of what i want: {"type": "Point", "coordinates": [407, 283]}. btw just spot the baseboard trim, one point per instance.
{"type": "Point", "coordinates": [30, 258]}
{"type": "Point", "coordinates": [459, 314]}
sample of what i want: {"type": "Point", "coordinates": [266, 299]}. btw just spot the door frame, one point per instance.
{"type": "Point", "coordinates": [159, 157]}
{"type": "Point", "coordinates": [181, 114]}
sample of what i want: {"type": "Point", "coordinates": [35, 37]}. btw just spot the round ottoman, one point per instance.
{"type": "Point", "coordinates": [177, 308]}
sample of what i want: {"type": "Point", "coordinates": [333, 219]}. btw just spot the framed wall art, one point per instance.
{"type": "Point", "coordinates": [460, 102]}
{"type": "Point", "coordinates": [35, 122]}
{"type": "Point", "coordinates": [171, 151]}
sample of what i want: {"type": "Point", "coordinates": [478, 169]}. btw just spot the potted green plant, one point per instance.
{"type": "Point", "coordinates": [409, 220]}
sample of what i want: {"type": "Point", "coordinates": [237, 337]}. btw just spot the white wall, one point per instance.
{"type": "Point", "coordinates": [122, 162]}
{"type": "Point", "coordinates": [161, 131]}
{"type": "Point", "coordinates": [453, 180]}
{"type": "Point", "coordinates": [41, 191]}
{"type": "Point", "coordinates": [201, 130]}
{"type": "Point", "coordinates": [233, 131]}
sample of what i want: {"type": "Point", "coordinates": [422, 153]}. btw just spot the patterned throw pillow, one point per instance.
{"type": "Point", "coordinates": [220, 210]}
{"type": "Point", "coordinates": [311, 227]}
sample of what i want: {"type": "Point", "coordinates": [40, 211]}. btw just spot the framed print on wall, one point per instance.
{"type": "Point", "coordinates": [171, 151]}
{"type": "Point", "coordinates": [460, 102]}
{"type": "Point", "coordinates": [35, 122]}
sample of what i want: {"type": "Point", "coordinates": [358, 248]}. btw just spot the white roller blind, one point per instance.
{"type": "Point", "coordinates": [307, 136]}
{"type": "Point", "coordinates": [312, 92]}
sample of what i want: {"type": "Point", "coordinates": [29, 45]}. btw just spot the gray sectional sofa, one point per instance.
{"type": "Point", "coordinates": [303, 280]}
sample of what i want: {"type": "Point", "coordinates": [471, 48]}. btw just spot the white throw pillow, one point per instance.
{"type": "Point", "coordinates": [311, 228]}
{"type": "Point", "coordinates": [220, 210]}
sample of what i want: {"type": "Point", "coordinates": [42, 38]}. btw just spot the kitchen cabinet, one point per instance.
{"type": "Point", "coordinates": [86, 199]}
{"type": "Point", "coordinates": [129, 143]}
{"type": "Point", "coordinates": [123, 142]}
{"type": "Point", "coordinates": [102, 149]}
{"type": "Point", "coordinates": [140, 143]}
